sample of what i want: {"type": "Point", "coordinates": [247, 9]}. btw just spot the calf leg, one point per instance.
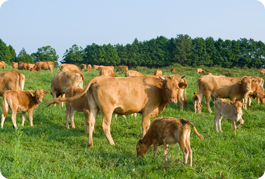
{"type": "Point", "coordinates": [220, 128]}
{"type": "Point", "coordinates": [72, 112]}
{"type": "Point", "coordinates": [5, 110]}
{"type": "Point", "coordinates": [241, 123]}
{"type": "Point", "coordinates": [155, 149]}
{"type": "Point", "coordinates": [216, 119]}
{"type": "Point", "coordinates": [14, 114]}
{"type": "Point", "coordinates": [234, 126]}
{"type": "Point", "coordinates": [184, 149]}
{"type": "Point", "coordinates": [67, 111]}
{"type": "Point", "coordinates": [23, 118]}
{"type": "Point", "coordinates": [207, 103]}
{"type": "Point", "coordinates": [165, 150]}
{"type": "Point", "coordinates": [189, 148]}
{"type": "Point", "coordinates": [30, 117]}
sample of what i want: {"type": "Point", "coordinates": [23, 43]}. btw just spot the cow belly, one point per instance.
{"type": "Point", "coordinates": [123, 111]}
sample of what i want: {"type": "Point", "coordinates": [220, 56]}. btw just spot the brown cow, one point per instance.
{"type": "Point", "coordinates": [21, 101]}
{"type": "Point", "coordinates": [133, 73]}
{"type": "Point", "coordinates": [106, 71]}
{"type": "Point", "coordinates": [167, 131]}
{"type": "Point", "coordinates": [89, 67]}
{"type": "Point", "coordinates": [122, 68]}
{"type": "Point", "coordinates": [23, 66]}
{"type": "Point", "coordinates": [172, 70]}
{"type": "Point", "coordinates": [209, 73]}
{"type": "Point", "coordinates": [196, 102]}
{"type": "Point", "coordinates": [79, 105]}
{"type": "Point", "coordinates": [223, 87]}
{"type": "Point", "coordinates": [229, 109]}
{"type": "Point", "coordinates": [2, 64]}
{"type": "Point", "coordinates": [83, 67]}
{"type": "Point", "coordinates": [68, 67]}
{"type": "Point", "coordinates": [147, 95]}
{"type": "Point", "coordinates": [199, 70]}
{"type": "Point", "coordinates": [43, 66]}
{"type": "Point", "coordinates": [158, 73]}
{"type": "Point", "coordinates": [11, 80]}
{"type": "Point", "coordinates": [96, 67]}
{"type": "Point", "coordinates": [14, 65]}
{"type": "Point", "coordinates": [31, 66]}
{"type": "Point", "coordinates": [262, 72]}
{"type": "Point", "coordinates": [64, 79]}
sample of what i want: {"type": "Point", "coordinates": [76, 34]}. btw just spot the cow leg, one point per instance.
{"type": "Point", "coordinates": [180, 99]}
{"type": "Point", "coordinates": [5, 110]}
{"type": "Point", "coordinates": [165, 150]}
{"type": "Point", "coordinates": [134, 114]}
{"type": "Point", "coordinates": [14, 114]}
{"type": "Point", "coordinates": [241, 123]}
{"type": "Point", "coordinates": [245, 100]}
{"type": "Point", "coordinates": [199, 107]}
{"type": "Point", "coordinates": [207, 103]}
{"type": "Point", "coordinates": [93, 112]}
{"type": "Point", "coordinates": [2, 121]}
{"type": "Point", "coordinates": [30, 117]}
{"type": "Point", "coordinates": [145, 123]}
{"type": "Point", "coordinates": [72, 112]}
{"type": "Point", "coordinates": [106, 125]}
{"type": "Point", "coordinates": [62, 96]}
{"type": "Point", "coordinates": [23, 118]}
{"type": "Point", "coordinates": [234, 126]}
{"type": "Point", "coordinates": [86, 112]}
{"type": "Point", "coordinates": [249, 100]}
{"type": "Point", "coordinates": [188, 147]}
{"type": "Point", "coordinates": [195, 106]}
{"type": "Point", "coordinates": [67, 111]}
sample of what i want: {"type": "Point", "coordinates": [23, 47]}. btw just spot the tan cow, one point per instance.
{"type": "Point", "coordinates": [158, 73]}
{"type": "Point", "coordinates": [167, 131]}
{"type": "Point", "coordinates": [200, 70]}
{"type": "Point", "coordinates": [223, 87]}
{"type": "Point", "coordinates": [63, 80]}
{"type": "Point", "coordinates": [2, 64]}
{"type": "Point", "coordinates": [229, 109]}
{"type": "Point", "coordinates": [43, 66]}
{"type": "Point", "coordinates": [210, 73]}
{"type": "Point", "coordinates": [147, 95]}
{"type": "Point", "coordinates": [68, 67]}
{"type": "Point", "coordinates": [89, 67]}
{"type": "Point", "coordinates": [31, 66]}
{"type": "Point", "coordinates": [172, 70]}
{"type": "Point", "coordinates": [196, 102]}
{"type": "Point", "coordinates": [11, 80]}
{"type": "Point", "coordinates": [106, 71]}
{"type": "Point", "coordinates": [133, 73]}
{"type": "Point", "coordinates": [262, 72]}
{"type": "Point", "coordinates": [23, 66]}
{"type": "Point", "coordinates": [122, 68]}
{"type": "Point", "coordinates": [83, 67]}
{"type": "Point", "coordinates": [79, 105]}
{"type": "Point", "coordinates": [21, 101]}
{"type": "Point", "coordinates": [14, 65]}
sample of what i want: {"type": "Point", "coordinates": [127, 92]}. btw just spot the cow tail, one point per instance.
{"type": "Point", "coordinates": [195, 130]}
{"type": "Point", "coordinates": [21, 81]}
{"type": "Point", "coordinates": [59, 100]}
{"type": "Point", "coordinates": [83, 76]}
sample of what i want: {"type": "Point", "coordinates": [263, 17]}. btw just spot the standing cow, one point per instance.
{"type": "Point", "coordinates": [43, 66]}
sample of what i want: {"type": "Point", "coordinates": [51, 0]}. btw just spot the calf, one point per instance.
{"type": "Point", "coordinates": [21, 101]}
{"type": "Point", "coordinates": [165, 131]}
{"type": "Point", "coordinates": [229, 109]}
{"type": "Point", "coordinates": [196, 103]}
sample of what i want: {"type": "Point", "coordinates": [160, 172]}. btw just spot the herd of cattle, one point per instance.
{"type": "Point", "coordinates": [134, 93]}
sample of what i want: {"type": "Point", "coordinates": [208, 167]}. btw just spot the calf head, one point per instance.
{"type": "Point", "coordinates": [38, 94]}
{"type": "Point", "coordinates": [237, 107]}
{"type": "Point", "coordinates": [246, 82]}
{"type": "Point", "coordinates": [141, 148]}
{"type": "Point", "coordinates": [196, 96]}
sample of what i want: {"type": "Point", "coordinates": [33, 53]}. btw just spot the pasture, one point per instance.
{"type": "Point", "coordinates": [49, 150]}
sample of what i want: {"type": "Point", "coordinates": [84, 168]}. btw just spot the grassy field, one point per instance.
{"type": "Point", "coordinates": [49, 150]}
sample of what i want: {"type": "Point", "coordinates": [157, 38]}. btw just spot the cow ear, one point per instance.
{"type": "Point", "coordinates": [46, 92]}
{"type": "Point", "coordinates": [162, 78]}
{"type": "Point", "coordinates": [213, 102]}
{"type": "Point", "coordinates": [183, 85]}
{"type": "Point", "coordinates": [140, 141]}
{"type": "Point", "coordinates": [240, 82]}
{"type": "Point", "coordinates": [32, 93]}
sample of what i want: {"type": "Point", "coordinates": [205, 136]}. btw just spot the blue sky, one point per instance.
{"type": "Point", "coordinates": [32, 24]}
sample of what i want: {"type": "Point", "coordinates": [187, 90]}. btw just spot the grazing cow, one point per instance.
{"type": "Point", "coordinates": [83, 67]}
{"type": "Point", "coordinates": [96, 67]}
{"type": "Point", "coordinates": [106, 71]}
{"type": "Point", "coordinates": [133, 73]}
{"type": "Point", "coordinates": [14, 65]}
{"type": "Point", "coordinates": [196, 102]}
{"type": "Point", "coordinates": [79, 105]}
{"type": "Point", "coordinates": [158, 73]}
{"type": "Point", "coordinates": [11, 80]}
{"type": "Point", "coordinates": [223, 87]}
{"type": "Point", "coordinates": [31, 66]}
{"type": "Point", "coordinates": [21, 101]}
{"type": "Point", "coordinates": [262, 72]}
{"type": "Point", "coordinates": [147, 95]}
{"type": "Point", "coordinates": [89, 67]}
{"type": "Point", "coordinates": [23, 66]}
{"type": "Point", "coordinates": [199, 70]}
{"type": "Point", "coordinates": [63, 80]}
{"type": "Point", "coordinates": [2, 64]}
{"type": "Point", "coordinates": [167, 131]}
{"type": "Point", "coordinates": [229, 109]}
{"type": "Point", "coordinates": [43, 66]}
{"type": "Point", "coordinates": [172, 70]}
{"type": "Point", "coordinates": [68, 67]}
{"type": "Point", "coordinates": [121, 68]}
{"type": "Point", "coordinates": [209, 73]}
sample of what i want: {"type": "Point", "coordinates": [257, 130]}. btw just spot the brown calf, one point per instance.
{"type": "Point", "coordinates": [2, 64]}
{"type": "Point", "coordinates": [21, 101]}
{"type": "Point", "coordinates": [166, 131]}
{"type": "Point", "coordinates": [196, 103]}
{"type": "Point", "coordinates": [229, 109]}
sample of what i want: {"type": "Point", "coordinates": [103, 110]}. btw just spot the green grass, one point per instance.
{"type": "Point", "coordinates": [49, 150]}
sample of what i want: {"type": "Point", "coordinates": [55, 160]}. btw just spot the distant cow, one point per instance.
{"type": "Point", "coordinates": [96, 67]}
{"type": "Point", "coordinates": [106, 71]}
{"type": "Point", "coordinates": [262, 72]}
{"type": "Point", "coordinates": [68, 67]}
{"type": "Point", "coordinates": [167, 131]}
{"type": "Point", "coordinates": [199, 70]}
{"type": "Point", "coordinates": [196, 102]}
{"type": "Point", "coordinates": [63, 80]}
{"type": "Point", "coordinates": [43, 66]}
{"type": "Point", "coordinates": [147, 95]}
{"type": "Point", "coordinates": [158, 73]}
{"type": "Point", "coordinates": [14, 65]}
{"type": "Point", "coordinates": [21, 101]}
{"type": "Point", "coordinates": [133, 73]}
{"type": "Point", "coordinates": [23, 66]}
{"type": "Point", "coordinates": [223, 87]}
{"type": "Point", "coordinates": [31, 66]}
{"type": "Point", "coordinates": [209, 73]}
{"type": "Point", "coordinates": [11, 80]}
{"type": "Point", "coordinates": [2, 64]}
{"type": "Point", "coordinates": [229, 109]}
{"type": "Point", "coordinates": [172, 70]}
{"type": "Point", "coordinates": [89, 67]}
{"type": "Point", "coordinates": [83, 67]}
{"type": "Point", "coordinates": [122, 67]}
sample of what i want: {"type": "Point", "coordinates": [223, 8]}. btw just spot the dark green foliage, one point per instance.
{"type": "Point", "coordinates": [24, 57]}
{"type": "Point", "coordinates": [45, 54]}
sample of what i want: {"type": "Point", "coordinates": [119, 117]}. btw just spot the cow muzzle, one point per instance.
{"type": "Point", "coordinates": [173, 100]}
{"type": "Point", "coordinates": [39, 101]}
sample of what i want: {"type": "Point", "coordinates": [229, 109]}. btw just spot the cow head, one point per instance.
{"type": "Point", "coordinates": [171, 86]}
{"type": "Point", "coordinates": [237, 107]}
{"type": "Point", "coordinates": [38, 94]}
{"type": "Point", "coordinates": [246, 82]}
{"type": "Point", "coordinates": [141, 148]}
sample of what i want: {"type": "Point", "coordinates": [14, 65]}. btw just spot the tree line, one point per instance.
{"type": "Point", "coordinates": [159, 52]}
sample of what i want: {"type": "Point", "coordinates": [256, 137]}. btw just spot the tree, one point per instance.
{"type": "Point", "coordinates": [73, 55]}
{"type": "Point", "coordinates": [5, 54]}
{"type": "Point", "coordinates": [13, 54]}
{"type": "Point", "coordinates": [45, 54]}
{"type": "Point", "coordinates": [24, 57]}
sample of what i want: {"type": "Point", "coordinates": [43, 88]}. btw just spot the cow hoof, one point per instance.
{"type": "Point", "coordinates": [89, 145]}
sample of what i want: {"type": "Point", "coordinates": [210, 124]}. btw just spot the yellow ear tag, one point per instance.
{"type": "Point", "coordinates": [239, 82]}
{"type": "Point", "coordinates": [183, 87]}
